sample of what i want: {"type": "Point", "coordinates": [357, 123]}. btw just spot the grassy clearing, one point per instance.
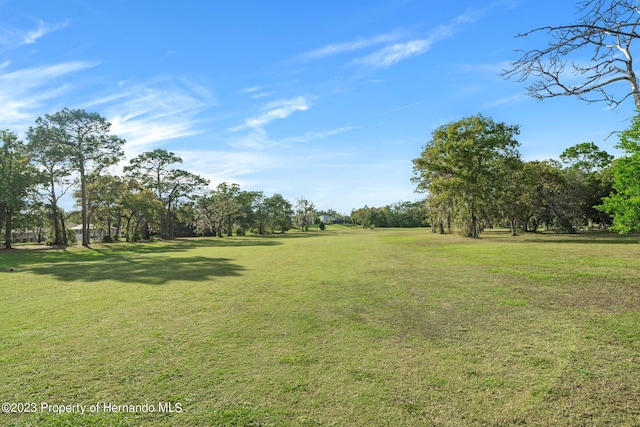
{"type": "Point", "coordinates": [343, 327]}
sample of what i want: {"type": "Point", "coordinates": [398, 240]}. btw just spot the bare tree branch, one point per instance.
{"type": "Point", "coordinates": [607, 29]}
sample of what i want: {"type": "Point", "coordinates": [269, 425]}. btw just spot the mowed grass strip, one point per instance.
{"type": "Point", "coordinates": [342, 327]}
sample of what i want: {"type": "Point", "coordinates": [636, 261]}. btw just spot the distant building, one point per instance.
{"type": "Point", "coordinates": [93, 232]}
{"type": "Point", "coordinates": [327, 218]}
{"type": "Point", "coordinates": [23, 236]}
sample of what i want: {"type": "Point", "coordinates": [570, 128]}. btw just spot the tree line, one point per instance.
{"type": "Point", "coordinates": [474, 178]}
{"type": "Point", "coordinates": [72, 151]}
{"type": "Point", "coordinates": [400, 214]}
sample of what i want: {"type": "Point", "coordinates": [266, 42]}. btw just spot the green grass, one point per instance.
{"type": "Point", "coordinates": [345, 327]}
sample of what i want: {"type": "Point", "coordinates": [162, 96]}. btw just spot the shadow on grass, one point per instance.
{"type": "Point", "coordinates": [588, 238]}
{"type": "Point", "coordinates": [184, 244]}
{"type": "Point", "coordinates": [99, 251]}
{"type": "Point", "coordinates": [296, 235]}
{"type": "Point", "coordinates": [591, 237]}
{"type": "Point", "coordinates": [158, 270]}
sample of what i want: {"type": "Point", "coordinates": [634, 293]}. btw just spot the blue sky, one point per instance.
{"type": "Point", "coordinates": [329, 100]}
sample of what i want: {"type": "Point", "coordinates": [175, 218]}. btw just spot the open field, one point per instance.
{"type": "Point", "coordinates": [342, 327]}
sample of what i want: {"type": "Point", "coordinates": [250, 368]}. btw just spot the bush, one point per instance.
{"type": "Point", "coordinates": [134, 237]}
{"type": "Point", "coordinates": [107, 239]}
{"type": "Point", "coordinates": [71, 237]}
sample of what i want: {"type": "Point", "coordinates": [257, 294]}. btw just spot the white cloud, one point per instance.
{"type": "Point", "coordinates": [11, 38]}
{"type": "Point", "coordinates": [393, 110]}
{"type": "Point", "coordinates": [256, 92]}
{"type": "Point", "coordinates": [392, 54]}
{"type": "Point", "coordinates": [36, 76]}
{"type": "Point", "coordinates": [146, 114]}
{"type": "Point", "coordinates": [30, 37]}
{"type": "Point", "coordinates": [25, 92]}
{"type": "Point", "coordinates": [262, 95]}
{"type": "Point", "coordinates": [228, 166]}
{"type": "Point", "coordinates": [504, 101]}
{"type": "Point", "coordinates": [271, 111]}
{"type": "Point", "coordinates": [361, 43]}
{"type": "Point", "coordinates": [254, 139]}
{"type": "Point", "coordinates": [312, 136]}
{"type": "Point", "coordinates": [251, 89]}
{"type": "Point", "coordinates": [448, 30]}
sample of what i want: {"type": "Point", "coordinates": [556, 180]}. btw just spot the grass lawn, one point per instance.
{"type": "Point", "coordinates": [343, 327]}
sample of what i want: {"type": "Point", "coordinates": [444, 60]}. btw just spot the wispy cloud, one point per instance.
{"type": "Point", "coordinates": [36, 76]}
{"type": "Point", "coordinates": [168, 54]}
{"type": "Point", "coordinates": [239, 167]}
{"type": "Point", "coordinates": [259, 139]}
{"type": "Point", "coordinates": [360, 43]}
{"type": "Point", "coordinates": [24, 92]}
{"type": "Point", "coordinates": [404, 107]}
{"type": "Point", "coordinates": [504, 101]}
{"type": "Point", "coordinates": [390, 55]}
{"type": "Point", "coordinates": [394, 53]}
{"type": "Point", "coordinates": [259, 95]}
{"type": "Point", "coordinates": [312, 136]}
{"type": "Point", "coordinates": [11, 38]}
{"type": "Point", "coordinates": [271, 111]}
{"type": "Point", "coordinates": [252, 139]}
{"type": "Point", "coordinates": [31, 37]}
{"type": "Point", "coordinates": [256, 92]}
{"type": "Point", "coordinates": [251, 89]}
{"type": "Point", "coordinates": [150, 113]}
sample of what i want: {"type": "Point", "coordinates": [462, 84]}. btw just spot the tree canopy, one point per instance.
{"type": "Point", "coordinates": [84, 140]}
{"type": "Point", "coordinates": [624, 203]}
{"type": "Point", "coordinates": [17, 177]}
{"type": "Point", "coordinates": [466, 165]}
{"type": "Point", "coordinates": [155, 170]}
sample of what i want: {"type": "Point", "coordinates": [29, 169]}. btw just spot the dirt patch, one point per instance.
{"type": "Point", "coordinates": [35, 247]}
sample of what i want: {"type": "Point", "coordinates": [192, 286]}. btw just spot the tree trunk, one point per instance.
{"type": "Point", "coordinates": [118, 227]}
{"type": "Point", "coordinates": [7, 230]}
{"type": "Point", "coordinates": [128, 227]}
{"type": "Point", "coordinates": [57, 238]}
{"type": "Point", "coordinates": [229, 226]}
{"type": "Point", "coordinates": [145, 234]}
{"type": "Point", "coordinates": [65, 240]}
{"type": "Point", "coordinates": [133, 237]}
{"type": "Point", "coordinates": [164, 233]}
{"type": "Point", "coordinates": [40, 235]}
{"type": "Point", "coordinates": [83, 191]}
{"type": "Point", "coordinates": [474, 226]}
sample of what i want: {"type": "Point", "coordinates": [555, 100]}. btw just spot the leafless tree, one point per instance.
{"type": "Point", "coordinates": [606, 29]}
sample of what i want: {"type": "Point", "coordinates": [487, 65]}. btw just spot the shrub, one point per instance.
{"type": "Point", "coordinates": [133, 237]}
{"type": "Point", "coordinates": [71, 237]}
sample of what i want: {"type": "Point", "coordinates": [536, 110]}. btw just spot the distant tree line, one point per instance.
{"type": "Point", "coordinates": [470, 170]}
{"type": "Point", "coordinates": [400, 214]}
{"type": "Point", "coordinates": [72, 150]}
{"type": "Point", "coordinates": [475, 178]}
